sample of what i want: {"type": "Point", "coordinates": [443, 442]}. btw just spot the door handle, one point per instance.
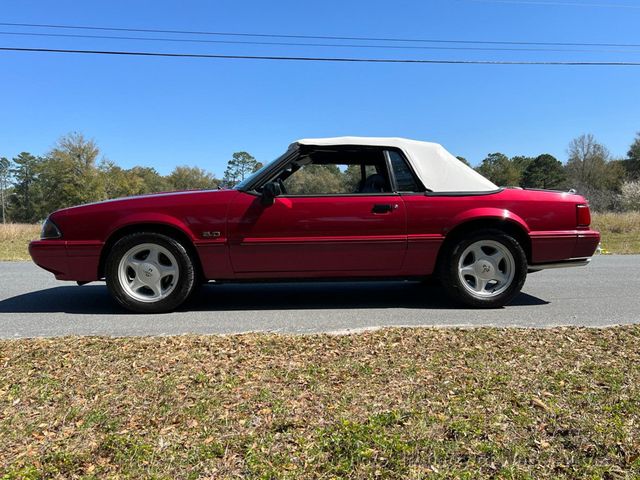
{"type": "Point", "coordinates": [381, 208]}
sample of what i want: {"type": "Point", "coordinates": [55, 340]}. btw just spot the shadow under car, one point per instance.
{"type": "Point", "coordinates": [95, 299]}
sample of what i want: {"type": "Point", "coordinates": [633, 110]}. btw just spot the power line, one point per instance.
{"type": "Point", "coordinates": [298, 44]}
{"type": "Point", "coordinates": [560, 4]}
{"type": "Point", "coordinates": [319, 37]}
{"type": "Point", "coordinates": [319, 59]}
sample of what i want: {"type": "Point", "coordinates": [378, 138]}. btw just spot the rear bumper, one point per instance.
{"type": "Point", "coordinates": [558, 247]}
{"type": "Point", "coordinates": [572, 262]}
{"type": "Point", "coordinates": [77, 261]}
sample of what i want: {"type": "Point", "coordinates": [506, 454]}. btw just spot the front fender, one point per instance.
{"type": "Point", "coordinates": [140, 218]}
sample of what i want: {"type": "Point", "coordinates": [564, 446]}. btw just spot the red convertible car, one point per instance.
{"type": "Point", "coordinates": [345, 207]}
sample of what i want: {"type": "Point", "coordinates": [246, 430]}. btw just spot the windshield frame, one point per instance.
{"type": "Point", "coordinates": [250, 183]}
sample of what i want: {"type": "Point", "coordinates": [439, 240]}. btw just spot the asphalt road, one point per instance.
{"type": "Point", "coordinates": [34, 304]}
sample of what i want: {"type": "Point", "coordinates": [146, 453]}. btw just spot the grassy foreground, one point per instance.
{"type": "Point", "coordinates": [620, 234]}
{"type": "Point", "coordinates": [399, 403]}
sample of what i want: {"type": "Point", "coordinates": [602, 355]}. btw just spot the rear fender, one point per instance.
{"type": "Point", "coordinates": [478, 214]}
{"type": "Point", "coordinates": [478, 218]}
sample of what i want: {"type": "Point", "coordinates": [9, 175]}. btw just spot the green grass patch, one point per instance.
{"type": "Point", "coordinates": [398, 403]}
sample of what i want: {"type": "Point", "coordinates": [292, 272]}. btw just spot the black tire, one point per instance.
{"type": "Point", "coordinates": [184, 284]}
{"type": "Point", "coordinates": [452, 283]}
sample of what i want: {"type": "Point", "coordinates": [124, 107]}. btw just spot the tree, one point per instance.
{"type": "Point", "coordinates": [316, 179]}
{"type": "Point", "coordinates": [352, 178]}
{"type": "Point", "coordinates": [192, 178]}
{"type": "Point", "coordinates": [520, 163]}
{"type": "Point", "coordinates": [499, 169]}
{"type": "Point", "coordinates": [70, 174]}
{"type": "Point", "coordinates": [150, 180]}
{"type": "Point", "coordinates": [545, 171]}
{"type": "Point", "coordinates": [119, 182]}
{"type": "Point", "coordinates": [27, 199]}
{"type": "Point", "coordinates": [464, 160]}
{"type": "Point", "coordinates": [239, 167]}
{"type": "Point", "coordinates": [589, 166]}
{"type": "Point", "coordinates": [630, 192]}
{"type": "Point", "coordinates": [591, 171]}
{"type": "Point", "coordinates": [5, 165]}
{"type": "Point", "coordinates": [633, 167]}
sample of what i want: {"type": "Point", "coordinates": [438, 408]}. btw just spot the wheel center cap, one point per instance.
{"type": "Point", "coordinates": [484, 269]}
{"type": "Point", "coordinates": [150, 273]}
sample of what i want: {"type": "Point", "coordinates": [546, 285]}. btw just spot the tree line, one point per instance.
{"type": "Point", "coordinates": [73, 173]}
{"type": "Point", "coordinates": [609, 184]}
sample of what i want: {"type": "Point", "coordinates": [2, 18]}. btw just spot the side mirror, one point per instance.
{"type": "Point", "coordinates": [269, 192]}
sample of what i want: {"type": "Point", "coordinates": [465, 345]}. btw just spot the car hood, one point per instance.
{"type": "Point", "coordinates": [123, 202]}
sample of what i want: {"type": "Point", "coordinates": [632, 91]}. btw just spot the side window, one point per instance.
{"type": "Point", "coordinates": [405, 179]}
{"type": "Point", "coordinates": [314, 179]}
{"type": "Point", "coordinates": [337, 172]}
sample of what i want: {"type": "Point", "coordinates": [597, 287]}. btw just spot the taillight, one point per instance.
{"type": "Point", "coordinates": [583, 215]}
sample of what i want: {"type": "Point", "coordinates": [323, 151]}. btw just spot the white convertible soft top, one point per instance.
{"type": "Point", "coordinates": [438, 170]}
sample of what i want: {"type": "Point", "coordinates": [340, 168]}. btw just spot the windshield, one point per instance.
{"type": "Point", "coordinates": [247, 181]}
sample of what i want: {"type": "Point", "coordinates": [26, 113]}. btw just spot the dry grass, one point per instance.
{"type": "Point", "coordinates": [620, 231]}
{"type": "Point", "coordinates": [14, 240]}
{"type": "Point", "coordinates": [402, 404]}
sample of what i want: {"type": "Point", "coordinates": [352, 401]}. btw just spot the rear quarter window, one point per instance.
{"type": "Point", "coordinates": [405, 179]}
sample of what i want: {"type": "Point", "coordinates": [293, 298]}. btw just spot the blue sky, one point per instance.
{"type": "Point", "coordinates": [164, 112]}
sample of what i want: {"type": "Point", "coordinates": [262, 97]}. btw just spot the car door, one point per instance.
{"type": "Point", "coordinates": [318, 234]}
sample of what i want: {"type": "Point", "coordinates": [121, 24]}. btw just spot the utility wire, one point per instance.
{"type": "Point", "coordinates": [317, 37]}
{"type": "Point", "coordinates": [560, 4]}
{"type": "Point", "coordinates": [298, 44]}
{"type": "Point", "coordinates": [319, 59]}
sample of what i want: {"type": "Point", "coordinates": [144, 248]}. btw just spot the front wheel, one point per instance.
{"type": "Point", "coordinates": [149, 273]}
{"type": "Point", "coordinates": [487, 269]}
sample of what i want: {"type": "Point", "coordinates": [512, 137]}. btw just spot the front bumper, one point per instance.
{"type": "Point", "coordinates": [68, 260]}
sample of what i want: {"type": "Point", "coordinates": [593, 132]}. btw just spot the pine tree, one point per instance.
{"type": "Point", "coordinates": [239, 167]}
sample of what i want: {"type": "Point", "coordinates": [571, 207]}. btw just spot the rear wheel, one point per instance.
{"type": "Point", "coordinates": [149, 273]}
{"type": "Point", "coordinates": [487, 269]}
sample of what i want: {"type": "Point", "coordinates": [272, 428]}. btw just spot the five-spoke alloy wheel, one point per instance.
{"type": "Point", "coordinates": [149, 272]}
{"type": "Point", "coordinates": [484, 269]}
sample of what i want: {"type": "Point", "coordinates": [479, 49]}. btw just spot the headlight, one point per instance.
{"type": "Point", "coordinates": [50, 230]}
